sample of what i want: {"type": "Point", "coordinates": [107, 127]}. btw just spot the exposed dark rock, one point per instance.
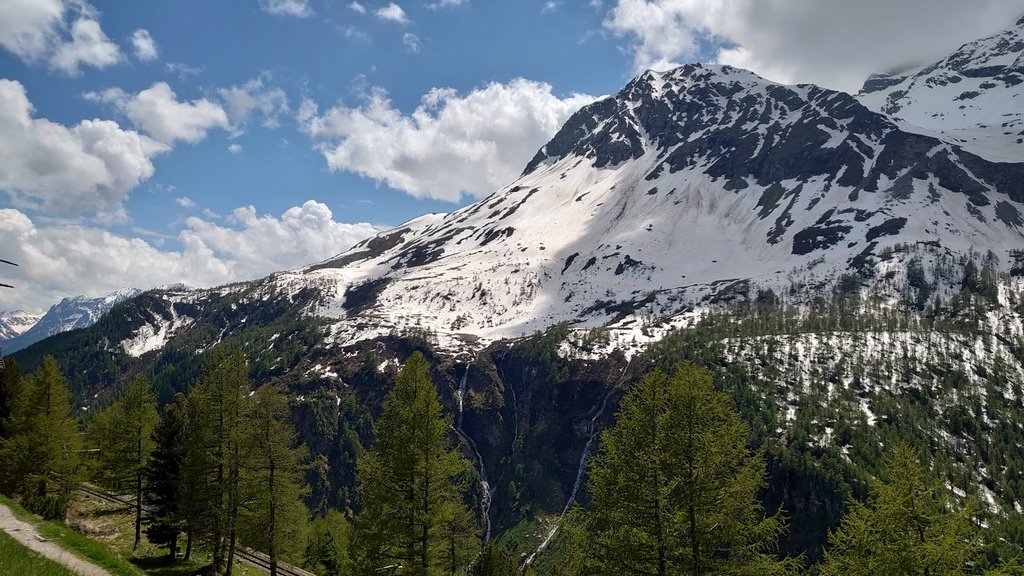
{"type": "Point", "coordinates": [569, 261]}
{"type": "Point", "coordinates": [1009, 214]}
{"type": "Point", "coordinates": [818, 238]}
{"type": "Point", "coordinates": [890, 227]}
{"type": "Point", "coordinates": [363, 296]}
{"type": "Point", "coordinates": [373, 248]}
{"type": "Point", "coordinates": [627, 264]}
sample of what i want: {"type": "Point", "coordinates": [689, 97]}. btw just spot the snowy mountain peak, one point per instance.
{"type": "Point", "coordinates": [688, 186]}
{"type": "Point", "coordinates": [69, 314]}
{"type": "Point", "coordinates": [16, 323]}
{"type": "Point", "coordinates": [973, 98]}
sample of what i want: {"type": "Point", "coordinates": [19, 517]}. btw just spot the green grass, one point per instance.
{"type": "Point", "coordinates": [17, 560]}
{"type": "Point", "coordinates": [115, 552]}
{"type": "Point", "coordinates": [81, 546]}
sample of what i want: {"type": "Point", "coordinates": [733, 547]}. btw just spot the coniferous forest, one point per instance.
{"type": "Point", "coordinates": [685, 478]}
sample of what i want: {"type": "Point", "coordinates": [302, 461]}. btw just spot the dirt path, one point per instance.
{"type": "Point", "coordinates": [26, 534]}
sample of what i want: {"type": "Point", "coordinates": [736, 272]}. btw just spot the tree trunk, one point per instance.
{"type": "Point", "coordinates": [425, 528]}
{"type": "Point", "coordinates": [659, 525]}
{"type": "Point", "coordinates": [694, 540]}
{"type": "Point", "coordinates": [272, 524]}
{"type": "Point", "coordinates": [231, 554]}
{"type": "Point", "coordinates": [188, 547]}
{"type": "Point", "coordinates": [138, 509]}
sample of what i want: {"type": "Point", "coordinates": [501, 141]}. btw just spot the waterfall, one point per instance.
{"type": "Point", "coordinates": [581, 471]}
{"type": "Point", "coordinates": [485, 487]}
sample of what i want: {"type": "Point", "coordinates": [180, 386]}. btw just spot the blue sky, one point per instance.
{"type": "Point", "coordinates": [143, 143]}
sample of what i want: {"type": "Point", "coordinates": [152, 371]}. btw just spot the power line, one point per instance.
{"type": "Point", "coordinates": [12, 264]}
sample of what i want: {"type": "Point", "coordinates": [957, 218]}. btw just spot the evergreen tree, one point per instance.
{"type": "Point", "coordinates": [493, 560]}
{"type": "Point", "coordinates": [164, 473]}
{"type": "Point", "coordinates": [122, 438]}
{"type": "Point", "coordinates": [328, 546]}
{"type": "Point", "coordinates": [39, 460]}
{"type": "Point", "coordinates": [10, 387]}
{"type": "Point", "coordinates": [196, 496]}
{"type": "Point", "coordinates": [408, 482]}
{"type": "Point", "coordinates": [674, 487]}
{"type": "Point", "coordinates": [272, 511]}
{"type": "Point", "coordinates": [214, 436]}
{"type": "Point", "coordinates": [908, 526]}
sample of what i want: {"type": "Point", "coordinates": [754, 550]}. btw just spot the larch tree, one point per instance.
{"type": "Point", "coordinates": [40, 456]}
{"type": "Point", "coordinates": [329, 545]}
{"type": "Point", "coordinates": [272, 514]}
{"type": "Point", "coordinates": [909, 525]}
{"type": "Point", "coordinates": [214, 437]}
{"type": "Point", "coordinates": [121, 437]}
{"type": "Point", "coordinates": [409, 483]}
{"type": "Point", "coordinates": [674, 486]}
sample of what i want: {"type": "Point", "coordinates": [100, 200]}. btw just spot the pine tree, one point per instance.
{"type": "Point", "coordinates": [122, 437]}
{"type": "Point", "coordinates": [272, 511]}
{"type": "Point", "coordinates": [40, 458]}
{"type": "Point", "coordinates": [908, 526]}
{"type": "Point", "coordinates": [674, 487]}
{"type": "Point", "coordinates": [408, 482]}
{"type": "Point", "coordinates": [164, 475]}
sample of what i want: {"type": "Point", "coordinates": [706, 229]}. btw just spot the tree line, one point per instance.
{"type": "Point", "coordinates": [674, 486]}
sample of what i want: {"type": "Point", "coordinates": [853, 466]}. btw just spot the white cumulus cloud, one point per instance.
{"type": "Point", "coordinates": [450, 145]}
{"type": "Point", "coordinates": [394, 13]}
{"type": "Point", "coordinates": [295, 8]}
{"type": "Point", "coordinates": [144, 45]}
{"type": "Point", "coordinates": [88, 45]}
{"type": "Point", "coordinates": [158, 112]}
{"type": "Point", "coordinates": [834, 43]}
{"type": "Point", "coordinates": [66, 259]}
{"type": "Point", "coordinates": [66, 34]}
{"type": "Point", "coordinates": [86, 168]}
{"type": "Point", "coordinates": [258, 245]}
{"type": "Point", "coordinates": [254, 98]}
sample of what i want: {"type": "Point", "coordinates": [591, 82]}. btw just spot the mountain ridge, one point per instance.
{"type": "Point", "coordinates": [982, 79]}
{"type": "Point", "coordinates": [69, 314]}
{"type": "Point", "coordinates": [761, 179]}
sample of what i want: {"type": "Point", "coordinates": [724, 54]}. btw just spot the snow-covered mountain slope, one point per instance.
{"type": "Point", "coordinates": [69, 314]}
{"type": "Point", "coordinates": [974, 97]}
{"type": "Point", "coordinates": [687, 187]}
{"type": "Point", "coordinates": [15, 323]}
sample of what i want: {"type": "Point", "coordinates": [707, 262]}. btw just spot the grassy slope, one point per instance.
{"type": "Point", "coordinates": [16, 559]}
{"type": "Point", "coordinates": [83, 547]}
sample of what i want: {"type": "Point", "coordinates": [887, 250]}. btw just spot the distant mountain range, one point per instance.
{"type": "Point", "coordinates": [16, 323]}
{"type": "Point", "coordinates": [20, 330]}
